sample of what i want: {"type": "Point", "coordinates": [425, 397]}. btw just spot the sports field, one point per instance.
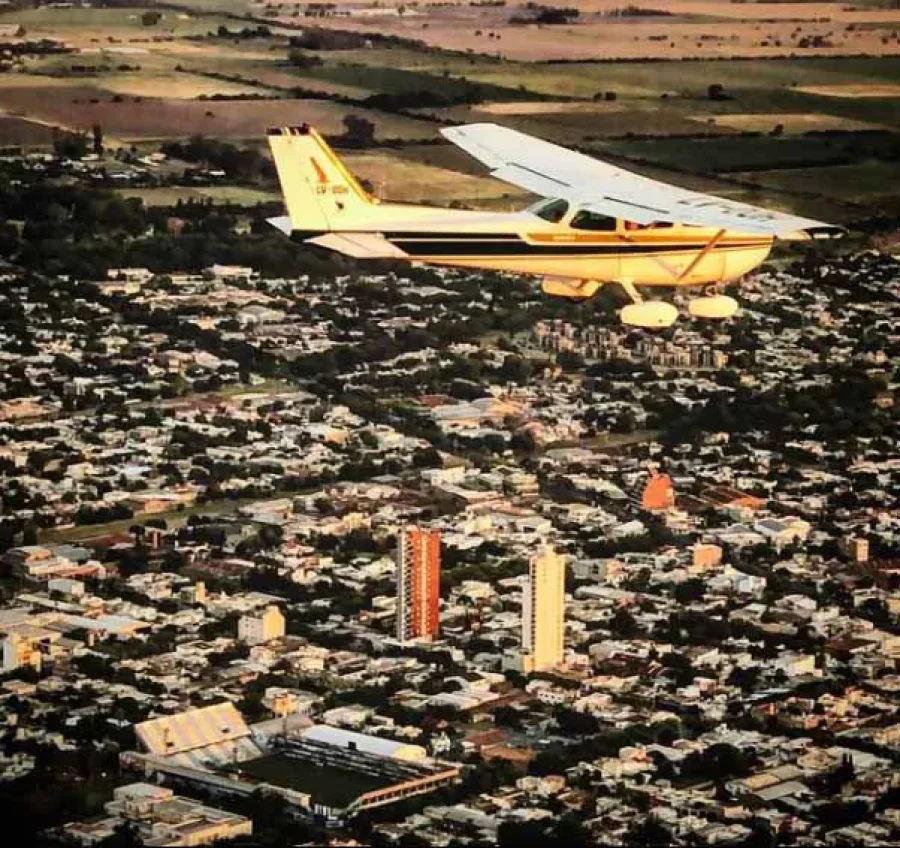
{"type": "Point", "coordinates": [326, 784]}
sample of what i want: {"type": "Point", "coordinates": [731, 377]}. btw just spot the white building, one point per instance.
{"type": "Point", "coordinates": [261, 627]}
{"type": "Point", "coordinates": [543, 611]}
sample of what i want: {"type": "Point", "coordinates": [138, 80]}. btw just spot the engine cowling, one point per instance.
{"type": "Point", "coordinates": [651, 315]}
{"type": "Point", "coordinates": [717, 306]}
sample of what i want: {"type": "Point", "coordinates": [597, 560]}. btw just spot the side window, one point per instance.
{"type": "Point", "coordinates": [656, 225]}
{"type": "Point", "coordinates": [585, 220]}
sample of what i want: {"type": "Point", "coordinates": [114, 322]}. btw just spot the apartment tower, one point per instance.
{"type": "Point", "coordinates": [543, 611]}
{"type": "Point", "coordinates": [418, 583]}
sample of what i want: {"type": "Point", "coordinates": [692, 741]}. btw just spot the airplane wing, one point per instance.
{"type": "Point", "coordinates": [553, 171]}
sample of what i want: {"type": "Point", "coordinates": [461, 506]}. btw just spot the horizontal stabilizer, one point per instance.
{"type": "Point", "coordinates": [282, 222]}
{"type": "Point", "coordinates": [359, 245]}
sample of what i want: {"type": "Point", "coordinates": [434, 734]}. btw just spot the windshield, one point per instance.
{"type": "Point", "coordinates": [553, 210]}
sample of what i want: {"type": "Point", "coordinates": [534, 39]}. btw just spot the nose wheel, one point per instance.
{"type": "Point", "coordinates": [648, 314]}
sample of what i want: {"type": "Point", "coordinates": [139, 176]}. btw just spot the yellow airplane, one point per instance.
{"type": "Point", "coordinates": [597, 223]}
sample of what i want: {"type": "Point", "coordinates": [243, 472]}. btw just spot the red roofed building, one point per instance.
{"type": "Point", "coordinates": [659, 494]}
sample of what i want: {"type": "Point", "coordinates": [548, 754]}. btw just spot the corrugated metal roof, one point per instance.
{"type": "Point", "coordinates": [192, 729]}
{"type": "Point", "coordinates": [350, 739]}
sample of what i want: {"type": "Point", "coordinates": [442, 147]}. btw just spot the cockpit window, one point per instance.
{"type": "Point", "coordinates": [553, 211]}
{"type": "Point", "coordinates": [585, 220]}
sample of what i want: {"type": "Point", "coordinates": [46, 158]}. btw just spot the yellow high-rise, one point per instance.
{"type": "Point", "coordinates": [543, 611]}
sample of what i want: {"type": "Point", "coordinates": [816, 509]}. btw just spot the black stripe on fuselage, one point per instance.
{"type": "Point", "coordinates": [435, 243]}
{"type": "Point", "coordinates": [406, 235]}
{"type": "Point", "coordinates": [523, 248]}
{"type": "Point", "coordinates": [448, 236]}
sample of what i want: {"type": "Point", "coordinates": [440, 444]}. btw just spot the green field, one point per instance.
{"type": "Point", "coordinates": [632, 79]}
{"type": "Point", "coordinates": [394, 80]}
{"type": "Point", "coordinates": [830, 177]}
{"type": "Point", "coordinates": [764, 152]}
{"type": "Point", "coordinates": [329, 785]}
{"type": "Point", "coordinates": [861, 183]}
{"type": "Point", "coordinates": [651, 97]}
{"type": "Point", "coordinates": [170, 195]}
{"type": "Point", "coordinates": [228, 6]}
{"type": "Point", "coordinates": [100, 21]}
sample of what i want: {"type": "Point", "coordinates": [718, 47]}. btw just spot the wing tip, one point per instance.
{"type": "Point", "coordinates": [457, 128]}
{"type": "Point", "coordinates": [815, 232]}
{"type": "Point", "coordinates": [826, 231]}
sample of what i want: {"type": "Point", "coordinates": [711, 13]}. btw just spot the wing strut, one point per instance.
{"type": "Point", "coordinates": [701, 254]}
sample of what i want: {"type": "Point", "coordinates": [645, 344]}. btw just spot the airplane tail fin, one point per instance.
{"type": "Point", "coordinates": [320, 193]}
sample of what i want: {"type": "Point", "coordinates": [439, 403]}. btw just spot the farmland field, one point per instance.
{"type": "Point", "coordinates": [18, 131]}
{"type": "Point", "coordinates": [281, 76]}
{"type": "Point", "coordinates": [849, 90]}
{"type": "Point", "coordinates": [577, 127]}
{"type": "Point", "coordinates": [83, 27]}
{"type": "Point", "coordinates": [792, 123]}
{"type": "Point", "coordinates": [412, 181]}
{"type": "Point", "coordinates": [814, 130]}
{"type": "Point", "coordinates": [680, 30]}
{"type": "Point", "coordinates": [785, 85]}
{"type": "Point", "coordinates": [183, 86]}
{"type": "Point", "coordinates": [860, 183]}
{"type": "Point", "coordinates": [170, 195]}
{"type": "Point", "coordinates": [80, 107]}
{"type": "Point", "coordinates": [393, 80]}
{"type": "Point", "coordinates": [729, 155]}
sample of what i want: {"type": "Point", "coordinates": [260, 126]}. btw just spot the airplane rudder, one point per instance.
{"type": "Point", "coordinates": [300, 181]}
{"type": "Point", "coordinates": [331, 169]}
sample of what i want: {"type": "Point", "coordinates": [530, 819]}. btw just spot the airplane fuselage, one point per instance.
{"type": "Point", "coordinates": [523, 242]}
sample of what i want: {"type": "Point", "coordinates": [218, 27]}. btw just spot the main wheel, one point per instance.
{"type": "Point", "coordinates": [650, 314]}
{"type": "Point", "coordinates": [716, 307]}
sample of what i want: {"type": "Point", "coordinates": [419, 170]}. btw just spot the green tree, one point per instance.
{"type": "Point", "coordinates": [125, 835]}
{"type": "Point", "coordinates": [69, 145]}
{"type": "Point", "coordinates": [97, 135]}
{"type": "Point", "coordinates": [358, 131]}
{"type": "Point", "coordinates": [648, 833]}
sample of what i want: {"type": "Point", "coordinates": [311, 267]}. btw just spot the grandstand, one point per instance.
{"type": "Point", "coordinates": [206, 737]}
{"type": "Point", "coordinates": [363, 742]}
